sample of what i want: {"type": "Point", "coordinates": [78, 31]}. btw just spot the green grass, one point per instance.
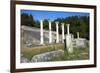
{"type": "Point", "coordinates": [78, 54]}
{"type": "Point", "coordinates": [30, 52]}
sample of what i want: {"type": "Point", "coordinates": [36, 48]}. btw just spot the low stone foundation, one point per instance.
{"type": "Point", "coordinates": [47, 56]}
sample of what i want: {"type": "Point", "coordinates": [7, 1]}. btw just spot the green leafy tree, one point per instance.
{"type": "Point", "coordinates": [77, 24]}
{"type": "Point", "coordinates": [27, 19]}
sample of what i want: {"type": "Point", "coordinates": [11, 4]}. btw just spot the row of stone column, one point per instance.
{"type": "Point", "coordinates": [50, 32]}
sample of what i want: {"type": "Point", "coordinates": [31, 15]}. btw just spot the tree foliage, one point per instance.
{"type": "Point", "coordinates": [27, 19]}
{"type": "Point", "coordinates": [77, 24]}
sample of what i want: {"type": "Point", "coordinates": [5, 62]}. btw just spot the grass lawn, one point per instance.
{"type": "Point", "coordinates": [78, 54]}
{"type": "Point", "coordinates": [30, 52]}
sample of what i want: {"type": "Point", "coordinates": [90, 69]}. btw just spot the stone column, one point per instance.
{"type": "Point", "coordinates": [50, 33]}
{"type": "Point", "coordinates": [77, 35]}
{"type": "Point", "coordinates": [63, 37]}
{"type": "Point", "coordinates": [69, 43]}
{"type": "Point", "coordinates": [41, 32]}
{"type": "Point", "coordinates": [57, 32]}
{"type": "Point", "coordinates": [68, 29]}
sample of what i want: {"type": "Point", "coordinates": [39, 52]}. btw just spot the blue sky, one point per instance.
{"type": "Point", "coordinates": [51, 15]}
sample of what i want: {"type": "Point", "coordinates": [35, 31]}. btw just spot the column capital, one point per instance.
{"type": "Point", "coordinates": [42, 19]}
{"type": "Point", "coordinates": [68, 24]}
{"type": "Point", "coordinates": [62, 23]}
{"type": "Point", "coordinates": [50, 20]}
{"type": "Point", "coordinates": [57, 22]}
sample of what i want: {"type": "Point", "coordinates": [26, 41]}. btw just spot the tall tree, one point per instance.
{"type": "Point", "coordinates": [27, 19]}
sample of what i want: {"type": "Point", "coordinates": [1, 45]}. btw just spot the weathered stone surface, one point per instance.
{"type": "Point", "coordinates": [80, 42]}
{"type": "Point", "coordinates": [30, 36]}
{"type": "Point", "coordinates": [23, 59]}
{"type": "Point", "coordinates": [47, 56]}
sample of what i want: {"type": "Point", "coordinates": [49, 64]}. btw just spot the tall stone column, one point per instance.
{"type": "Point", "coordinates": [78, 35]}
{"type": "Point", "coordinates": [68, 29]}
{"type": "Point", "coordinates": [41, 32]}
{"type": "Point", "coordinates": [63, 37]}
{"type": "Point", "coordinates": [50, 32]}
{"type": "Point", "coordinates": [69, 43]}
{"type": "Point", "coordinates": [57, 32]}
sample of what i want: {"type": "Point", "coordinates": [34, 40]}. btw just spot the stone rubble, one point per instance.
{"type": "Point", "coordinates": [47, 56]}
